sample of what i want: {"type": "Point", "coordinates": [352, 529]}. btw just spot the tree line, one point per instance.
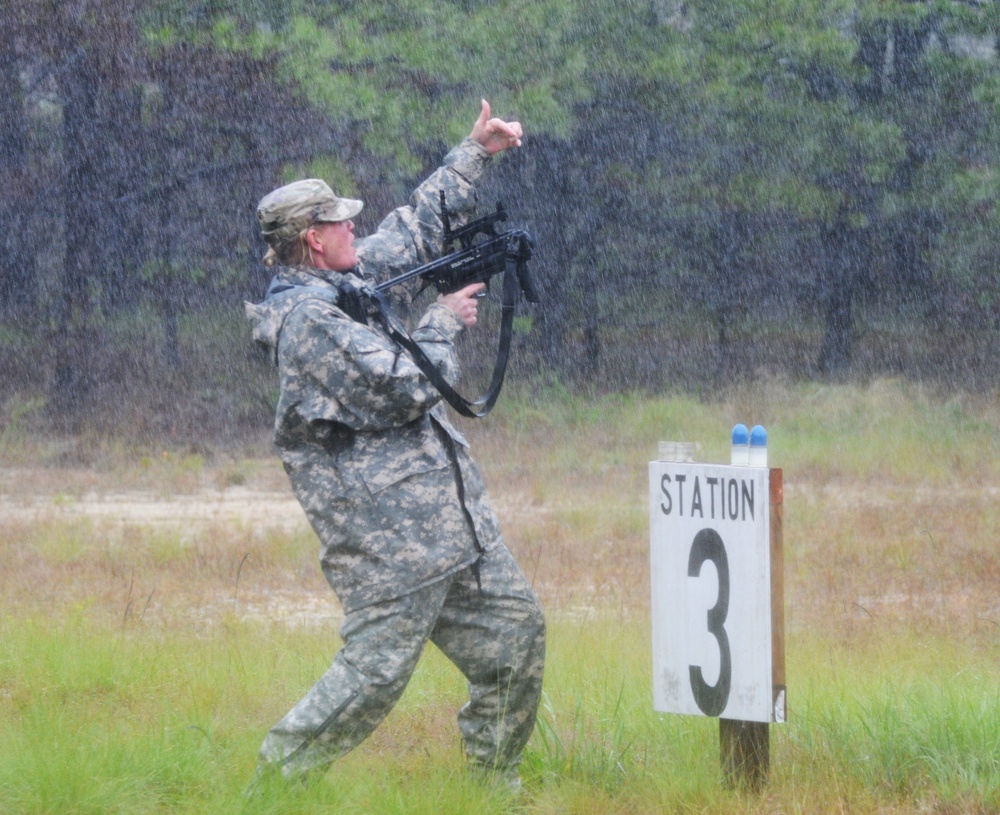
{"type": "Point", "coordinates": [783, 183]}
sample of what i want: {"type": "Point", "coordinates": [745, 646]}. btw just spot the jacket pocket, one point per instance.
{"type": "Point", "coordinates": [390, 458]}
{"type": "Point", "coordinates": [414, 502]}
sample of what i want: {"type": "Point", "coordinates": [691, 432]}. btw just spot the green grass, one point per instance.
{"type": "Point", "coordinates": [142, 661]}
{"type": "Point", "coordinates": [101, 718]}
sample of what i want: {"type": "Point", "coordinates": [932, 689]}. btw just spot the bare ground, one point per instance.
{"type": "Point", "coordinates": [176, 542]}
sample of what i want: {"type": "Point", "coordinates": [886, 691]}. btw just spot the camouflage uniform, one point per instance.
{"type": "Point", "coordinates": [408, 540]}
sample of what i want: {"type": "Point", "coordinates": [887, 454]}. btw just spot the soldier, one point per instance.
{"type": "Point", "coordinates": [408, 540]}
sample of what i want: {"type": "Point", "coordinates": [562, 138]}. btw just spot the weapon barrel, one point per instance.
{"type": "Point", "coordinates": [451, 270]}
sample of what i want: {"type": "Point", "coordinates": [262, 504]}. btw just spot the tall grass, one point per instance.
{"type": "Point", "coordinates": [141, 661]}
{"type": "Point", "coordinates": [104, 719]}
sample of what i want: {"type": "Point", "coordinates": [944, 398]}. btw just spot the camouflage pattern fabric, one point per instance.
{"type": "Point", "coordinates": [396, 500]}
{"type": "Point", "coordinates": [496, 638]}
{"type": "Point", "coordinates": [285, 212]}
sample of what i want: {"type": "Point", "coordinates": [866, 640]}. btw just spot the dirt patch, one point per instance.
{"type": "Point", "coordinates": [234, 505]}
{"type": "Point", "coordinates": [919, 554]}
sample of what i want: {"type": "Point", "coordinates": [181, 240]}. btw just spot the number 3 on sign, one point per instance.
{"type": "Point", "coordinates": [712, 699]}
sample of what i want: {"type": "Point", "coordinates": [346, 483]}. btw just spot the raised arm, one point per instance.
{"type": "Point", "coordinates": [412, 234]}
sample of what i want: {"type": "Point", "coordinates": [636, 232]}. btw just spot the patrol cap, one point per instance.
{"type": "Point", "coordinates": [290, 209]}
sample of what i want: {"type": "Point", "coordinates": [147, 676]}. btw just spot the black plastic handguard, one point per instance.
{"type": "Point", "coordinates": [474, 262]}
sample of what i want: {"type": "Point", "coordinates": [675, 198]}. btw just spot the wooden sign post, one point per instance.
{"type": "Point", "coordinates": [716, 568]}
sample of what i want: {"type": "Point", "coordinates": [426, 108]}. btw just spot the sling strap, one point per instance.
{"type": "Point", "coordinates": [474, 409]}
{"type": "Point", "coordinates": [362, 303]}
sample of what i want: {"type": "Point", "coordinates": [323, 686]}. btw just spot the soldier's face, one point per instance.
{"type": "Point", "coordinates": [332, 246]}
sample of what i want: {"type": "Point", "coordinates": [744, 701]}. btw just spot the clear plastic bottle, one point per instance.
{"type": "Point", "coordinates": [741, 446]}
{"type": "Point", "coordinates": [758, 446]}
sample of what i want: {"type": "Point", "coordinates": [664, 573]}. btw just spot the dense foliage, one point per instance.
{"type": "Point", "coordinates": [715, 188]}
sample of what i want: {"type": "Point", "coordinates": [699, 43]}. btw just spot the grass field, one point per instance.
{"type": "Point", "coordinates": [159, 610]}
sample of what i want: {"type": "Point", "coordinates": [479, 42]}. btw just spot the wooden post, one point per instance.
{"type": "Point", "coordinates": [745, 751]}
{"type": "Point", "coordinates": [745, 747]}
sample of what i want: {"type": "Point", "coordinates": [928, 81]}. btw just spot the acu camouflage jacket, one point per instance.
{"type": "Point", "coordinates": [385, 479]}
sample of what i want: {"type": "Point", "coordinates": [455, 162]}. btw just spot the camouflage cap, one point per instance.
{"type": "Point", "coordinates": [290, 209]}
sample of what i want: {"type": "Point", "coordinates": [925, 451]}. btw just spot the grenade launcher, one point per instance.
{"type": "Point", "coordinates": [464, 261]}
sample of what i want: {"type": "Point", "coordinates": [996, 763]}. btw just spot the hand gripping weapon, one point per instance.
{"type": "Point", "coordinates": [472, 262]}
{"type": "Point", "coordinates": [465, 262]}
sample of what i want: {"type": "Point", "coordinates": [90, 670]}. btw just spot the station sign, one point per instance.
{"type": "Point", "coordinates": [714, 611]}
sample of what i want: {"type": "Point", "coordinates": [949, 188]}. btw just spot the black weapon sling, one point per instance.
{"type": "Point", "coordinates": [382, 312]}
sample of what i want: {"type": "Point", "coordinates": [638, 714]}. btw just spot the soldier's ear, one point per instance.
{"type": "Point", "coordinates": [313, 239]}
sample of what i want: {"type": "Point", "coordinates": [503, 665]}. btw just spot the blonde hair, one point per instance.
{"type": "Point", "coordinates": [288, 252]}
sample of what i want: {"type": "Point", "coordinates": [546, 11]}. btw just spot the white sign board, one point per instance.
{"type": "Point", "coordinates": [711, 584]}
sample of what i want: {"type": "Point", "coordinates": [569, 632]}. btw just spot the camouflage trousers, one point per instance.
{"type": "Point", "coordinates": [494, 635]}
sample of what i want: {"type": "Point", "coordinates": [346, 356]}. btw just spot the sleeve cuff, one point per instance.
{"type": "Point", "coordinates": [468, 159]}
{"type": "Point", "coordinates": [443, 320]}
